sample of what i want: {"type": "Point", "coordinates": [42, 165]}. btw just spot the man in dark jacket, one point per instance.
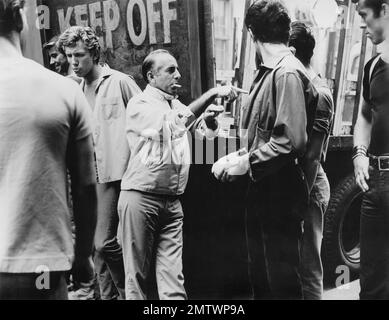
{"type": "Point", "coordinates": [276, 122]}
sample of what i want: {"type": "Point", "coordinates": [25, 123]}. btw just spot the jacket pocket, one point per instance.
{"type": "Point", "coordinates": [110, 108]}
{"type": "Point", "coordinates": [150, 154]}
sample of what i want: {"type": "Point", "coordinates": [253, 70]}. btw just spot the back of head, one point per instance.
{"type": "Point", "coordinates": [85, 34]}
{"type": "Point", "coordinates": [10, 18]}
{"type": "Point", "coordinates": [302, 40]}
{"type": "Point", "coordinates": [268, 21]}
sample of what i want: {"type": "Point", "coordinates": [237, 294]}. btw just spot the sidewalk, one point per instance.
{"type": "Point", "coordinates": [346, 292]}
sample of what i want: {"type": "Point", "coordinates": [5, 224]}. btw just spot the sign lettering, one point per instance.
{"type": "Point", "coordinates": [150, 16]}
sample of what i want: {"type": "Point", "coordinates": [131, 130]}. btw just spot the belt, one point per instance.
{"type": "Point", "coordinates": [380, 163]}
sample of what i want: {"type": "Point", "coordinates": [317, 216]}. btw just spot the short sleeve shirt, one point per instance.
{"type": "Point", "coordinates": [376, 94]}
{"type": "Point", "coordinates": [41, 114]}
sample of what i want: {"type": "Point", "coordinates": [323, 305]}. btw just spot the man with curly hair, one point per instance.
{"type": "Point", "coordinates": [108, 92]}
{"type": "Point", "coordinates": [45, 125]}
{"type": "Point", "coordinates": [276, 120]}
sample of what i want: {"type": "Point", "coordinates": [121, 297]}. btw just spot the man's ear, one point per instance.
{"type": "Point", "coordinates": [150, 76]}
{"type": "Point", "coordinates": [385, 9]}
{"type": "Point", "coordinates": [96, 56]}
{"type": "Point", "coordinates": [20, 19]}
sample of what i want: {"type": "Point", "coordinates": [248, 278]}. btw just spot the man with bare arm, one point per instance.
{"type": "Point", "coordinates": [371, 156]}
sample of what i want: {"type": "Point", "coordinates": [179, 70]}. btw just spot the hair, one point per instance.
{"type": "Point", "coordinates": [10, 18]}
{"type": "Point", "coordinates": [269, 21]}
{"type": "Point", "coordinates": [302, 39]}
{"type": "Point", "coordinates": [76, 33]}
{"type": "Point", "coordinates": [376, 6]}
{"type": "Point", "coordinates": [149, 61]}
{"type": "Point", "coordinates": [53, 42]}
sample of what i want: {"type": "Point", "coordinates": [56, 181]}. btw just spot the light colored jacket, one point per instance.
{"type": "Point", "coordinates": [113, 91]}
{"type": "Point", "coordinates": [158, 140]}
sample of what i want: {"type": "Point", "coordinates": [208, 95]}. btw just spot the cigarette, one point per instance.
{"type": "Point", "coordinates": [177, 85]}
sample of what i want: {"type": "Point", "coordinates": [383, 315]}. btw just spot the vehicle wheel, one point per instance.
{"type": "Point", "coordinates": [341, 230]}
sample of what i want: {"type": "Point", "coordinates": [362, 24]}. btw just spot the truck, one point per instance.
{"type": "Point", "coordinates": [212, 47]}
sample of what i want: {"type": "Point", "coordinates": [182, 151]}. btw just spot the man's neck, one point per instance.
{"type": "Point", "coordinates": [93, 75]}
{"type": "Point", "coordinates": [384, 47]}
{"type": "Point", "coordinates": [166, 95]}
{"type": "Point", "coordinates": [311, 73]}
{"type": "Point", "coordinates": [272, 53]}
{"type": "Point", "coordinates": [10, 46]}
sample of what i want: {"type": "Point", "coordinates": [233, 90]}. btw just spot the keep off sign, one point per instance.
{"type": "Point", "coordinates": [128, 30]}
{"type": "Point", "coordinates": [142, 18]}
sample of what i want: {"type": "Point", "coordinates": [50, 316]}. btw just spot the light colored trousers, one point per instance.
{"type": "Point", "coordinates": [150, 230]}
{"type": "Point", "coordinates": [311, 269]}
{"type": "Point", "coordinates": [108, 257]}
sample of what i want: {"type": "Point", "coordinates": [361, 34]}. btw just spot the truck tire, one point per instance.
{"type": "Point", "coordinates": [341, 231]}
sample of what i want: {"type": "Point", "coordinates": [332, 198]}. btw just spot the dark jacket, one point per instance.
{"type": "Point", "coordinates": [278, 117]}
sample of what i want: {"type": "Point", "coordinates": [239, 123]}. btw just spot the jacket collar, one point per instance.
{"type": "Point", "coordinates": [311, 73]}
{"type": "Point", "coordinates": [273, 54]}
{"type": "Point", "coordinates": [159, 94]}
{"type": "Point", "coordinates": [106, 72]}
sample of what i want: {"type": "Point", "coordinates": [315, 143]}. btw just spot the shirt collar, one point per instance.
{"type": "Point", "coordinates": [106, 72]}
{"type": "Point", "coordinates": [383, 50]}
{"type": "Point", "coordinates": [159, 94]}
{"type": "Point", "coordinates": [311, 73]}
{"type": "Point", "coordinates": [273, 54]}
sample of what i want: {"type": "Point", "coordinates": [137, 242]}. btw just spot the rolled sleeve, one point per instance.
{"type": "Point", "coordinates": [289, 134]}
{"type": "Point", "coordinates": [324, 112]}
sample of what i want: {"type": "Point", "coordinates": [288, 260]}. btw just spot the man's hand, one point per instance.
{"type": "Point", "coordinates": [361, 172]}
{"type": "Point", "coordinates": [212, 112]}
{"type": "Point", "coordinates": [230, 167]}
{"type": "Point", "coordinates": [220, 167]}
{"type": "Point", "coordinates": [83, 270]}
{"type": "Point", "coordinates": [199, 105]}
{"type": "Point", "coordinates": [228, 92]}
